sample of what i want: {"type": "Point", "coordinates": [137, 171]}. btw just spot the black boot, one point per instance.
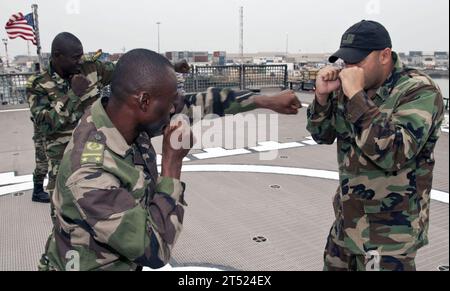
{"type": "Point", "coordinates": [39, 195]}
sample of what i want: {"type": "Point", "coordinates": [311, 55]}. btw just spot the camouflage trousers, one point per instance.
{"type": "Point", "coordinates": [40, 172]}
{"type": "Point", "coordinates": [338, 258]}
{"type": "Point", "coordinates": [55, 153]}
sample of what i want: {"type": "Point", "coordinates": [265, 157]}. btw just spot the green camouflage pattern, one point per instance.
{"type": "Point", "coordinates": [113, 212]}
{"type": "Point", "coordinates": [385, 150]}
{"type": "Point", "coordinates": [56, 109]}
{"type": "Point", "coordinates": [40, 156]}
{"type": "Point", "coordinates": [219, 101]}
{"type": "Point", "coordinates": [337, 257]}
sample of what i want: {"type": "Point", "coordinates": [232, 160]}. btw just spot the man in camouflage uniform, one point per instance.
{"type": "Point", "coordinates": [41, 169]}
{"type": "Point", "coordinates": [113, 210]}
{"type": "Point", "coordinates": [59, 97]}
{"type": "Point", "coordinates": [386, 119]}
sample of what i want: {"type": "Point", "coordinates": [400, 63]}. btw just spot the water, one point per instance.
{"type": "Point", "coordinates": [444, 85]}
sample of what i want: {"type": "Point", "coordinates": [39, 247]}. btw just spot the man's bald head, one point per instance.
{"type": "Point", "coordinates": [141, 70]}
{"type": "Point", "coordinates": [143, 92]}
{"type": "Point", "coordinates": [65, 43]}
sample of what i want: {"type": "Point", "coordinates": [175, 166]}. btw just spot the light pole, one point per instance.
{"type": "Point", "coordinates": [241, 33]}
{"type": "Point", "coordinates": [5, 42]}
{"type": "Point", "coordinates": [287, 44]}
{"type": "Point", "coordinates": [159, 45]}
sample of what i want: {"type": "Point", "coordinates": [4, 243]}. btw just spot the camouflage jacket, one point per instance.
{"type": "Point", "coordinates": [385, 150]}
{"type": "Point", "coordinates": [54, 106]}
{"type": "Point", "coordinates": [113, 211]}
{"type": "Point", "coordinates": [217, 101]}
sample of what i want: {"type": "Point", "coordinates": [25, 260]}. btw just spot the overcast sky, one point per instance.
{"type": "Point", "coordinates": [312, 25]}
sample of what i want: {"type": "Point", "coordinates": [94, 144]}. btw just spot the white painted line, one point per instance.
{"type": "Point", "coordinates": [11, 179]}
{"type": "Point", "coordinates": [16, 188]}
{"type": "Point", "coordinates": [6, 176]}
{"type": "Point", "coordinates": [439, 196]}
{"type": "Point", "coordinates": [273, 145]}
{"type": "Point", "coordinates": [27, 183]}
{"type": "Point", "coordinates": [309, 141]}
{"type": "Point", "coordinates": [16, 183]}
{"type": "Point", "coordinates": [14, 110]}
{"type": "Point", "coordinates": [445, 130]}
{"type": "Point", "coordinates": [219, 153]}
{"type": "Point", "coordinates": [330, 175]}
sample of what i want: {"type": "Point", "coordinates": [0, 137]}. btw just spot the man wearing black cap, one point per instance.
{"type": "Point", "coordinates": [386, 119]}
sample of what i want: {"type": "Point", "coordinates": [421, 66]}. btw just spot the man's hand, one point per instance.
{"type": "Point", "coordinates": [79, 84]}
{"type": "Point", "coordinates": [353, 81]}
{"type": "Point", "coordinates": [285, 103]}
{"type": "Point", "coordinates": [177, 142]}
{"type": "Point", "coordinates": [182, 67]}
{"type": "Point", "coordinates": [326, 83]}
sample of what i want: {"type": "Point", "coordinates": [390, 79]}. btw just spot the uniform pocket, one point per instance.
{"type": "Point", "coordinates": [389, 220]}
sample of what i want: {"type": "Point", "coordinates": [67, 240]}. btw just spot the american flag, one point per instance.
{"type": "Point", "coordinates": [21, 26]}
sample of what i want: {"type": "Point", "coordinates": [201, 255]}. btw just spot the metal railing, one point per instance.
{"type": "Point", "coordinates": [243, 77]}
{"type": "Point", "coordinates": [271, 76]}
{"type": "Point", "coordinates": [13, 88]}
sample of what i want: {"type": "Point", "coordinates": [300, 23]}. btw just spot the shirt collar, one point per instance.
{"type": "Point", "coordinates": [385, 90]}
{"type": "Point", "coordinates": [114, 139]}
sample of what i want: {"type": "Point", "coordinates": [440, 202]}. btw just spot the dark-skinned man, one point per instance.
{"type": "Point", "coordinates": [113, 210]}
{"type": "Point", "coordinates": [386, 119]}
{"type": "Point", "coordinates": [40, 156]}
{"type": "Point", "coordinates": [59, 97]}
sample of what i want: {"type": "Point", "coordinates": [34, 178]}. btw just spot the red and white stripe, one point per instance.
{"type": "Point", "coordinates": [17, 26]}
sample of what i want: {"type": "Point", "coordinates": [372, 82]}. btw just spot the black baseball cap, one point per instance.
{"type": "Point", "coordinates": [360, 40]}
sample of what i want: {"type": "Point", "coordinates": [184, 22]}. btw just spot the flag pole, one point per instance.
{"type": "Point", "coordinates": [34, 7]}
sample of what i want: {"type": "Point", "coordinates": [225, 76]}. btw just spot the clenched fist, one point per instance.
{"type": "Point", "coordinates": [326, 83]}
{"type": "Point", "coordinates": [177, 142]}
{"type": "Point", "coordinates": [79, 84]}
{"type": "Point", "coordinates": [353, 81]}
{"type": "Point", "coordinates": [285, 102]}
